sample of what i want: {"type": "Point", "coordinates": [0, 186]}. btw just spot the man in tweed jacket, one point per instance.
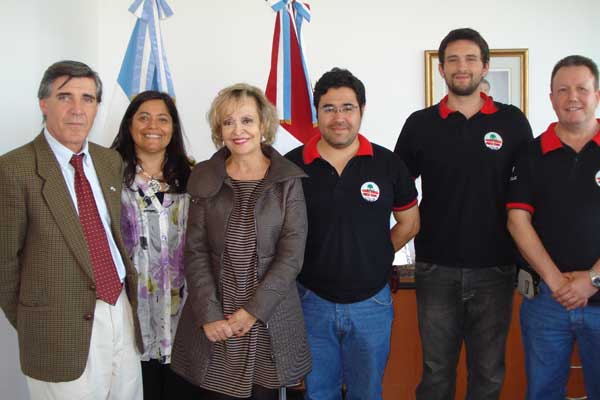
{"type": "Point", "coordinates": [72, 345]}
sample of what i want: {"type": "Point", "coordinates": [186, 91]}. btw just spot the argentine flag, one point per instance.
{"type": "Point", "coordinates": [145, 65]}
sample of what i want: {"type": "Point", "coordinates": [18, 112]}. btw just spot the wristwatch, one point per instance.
{"type": "Point", "coordinates": [595, 276]}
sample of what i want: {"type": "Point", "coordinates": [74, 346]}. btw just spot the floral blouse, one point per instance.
{"type": "Point", "coordinates": [154, 236]}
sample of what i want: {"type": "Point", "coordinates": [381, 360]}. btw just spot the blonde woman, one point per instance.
{"type": "Point", "coordinates": [242, 332]}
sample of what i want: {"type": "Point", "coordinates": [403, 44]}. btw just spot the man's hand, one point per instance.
{"type": "Point", "coordinates": [576, 292]}
{"type": "Point", "coordinates": [557, 281]}
{"type": "Point", "coordinates": [218, 330]}
{"type": "Point", "coordinates": [240, 322]}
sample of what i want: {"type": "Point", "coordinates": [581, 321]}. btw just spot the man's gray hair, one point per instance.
{"type": "Point", "coordinates": [71, 69]}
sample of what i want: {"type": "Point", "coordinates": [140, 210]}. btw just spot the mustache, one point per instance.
{"type": "Point", "coordinates": [470, 75]}
{"type": "Point", "coordinates": [339, 124]}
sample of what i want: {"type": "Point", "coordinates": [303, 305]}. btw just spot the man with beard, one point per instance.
{"type": "Point", "coordinates": [353, 186]}
{"type": "Point", "coordinates": [463, 149]}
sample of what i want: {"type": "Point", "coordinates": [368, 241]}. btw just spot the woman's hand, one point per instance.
{"type": "Point", "coordinates": [240, 322]}
{"type": "Point", "coordinates": [218, 330]}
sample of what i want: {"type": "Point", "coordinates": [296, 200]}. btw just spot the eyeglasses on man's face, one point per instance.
{"type": "Point", "coordinates": [345, 109]}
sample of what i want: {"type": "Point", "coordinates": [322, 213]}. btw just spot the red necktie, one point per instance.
{"type": "Point", "coordinates": [108, 284]}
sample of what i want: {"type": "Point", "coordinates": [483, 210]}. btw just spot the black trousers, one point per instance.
{"type": "Point", "coordinates": [258, 393]}
{"type": "Point", "coordinates": [161, 383]}
{"type": "Point", "coordinates": [456, 305]}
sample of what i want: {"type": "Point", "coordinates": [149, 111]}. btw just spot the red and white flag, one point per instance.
{"type": "Point", "coordinates": [288, 87]}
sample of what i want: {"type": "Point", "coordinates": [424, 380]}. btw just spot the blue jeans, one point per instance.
{"type": "Point", "coordinates": [463, 304]}
{"type": "Point", "coordinates": [549, 332]}
{"type": "Point", "coordinates": [349, 344]}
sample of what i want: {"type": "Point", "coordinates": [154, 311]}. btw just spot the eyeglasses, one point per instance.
{"type": "Point", "coordinates": [345, 109]}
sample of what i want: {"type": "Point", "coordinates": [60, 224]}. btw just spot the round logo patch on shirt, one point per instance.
{"type": "Point", "coordinates": [369, 191]}
{"type": "Point", "coordinates": [493, 141]}
{"type": "Point", "coordinates": [598, 178]}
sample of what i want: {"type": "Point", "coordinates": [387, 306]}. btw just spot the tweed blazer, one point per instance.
{"type": "Point", "coordinates": [47, 286]}
{"type": "Point", "coordinates": [281, 228]}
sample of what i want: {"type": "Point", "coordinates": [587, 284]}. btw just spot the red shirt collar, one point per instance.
{"type": "Point", "coordinates": [488, 106]}
{"type": "Point", "coordinates": [550, 140]}
{"type": "Point", "coordinates": [365, 148]}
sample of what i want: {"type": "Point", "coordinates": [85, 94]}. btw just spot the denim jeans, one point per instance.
{"type": "Point", "coordinates": [349, 344]}
{"type": "Point", "coordinates": [463, 304]}
{"type": "Point", "coordinates": [549, 332]}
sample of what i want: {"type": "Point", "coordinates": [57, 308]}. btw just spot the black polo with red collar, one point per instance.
{"type": "Point", "coordinates": [561, 189]}
{"type": "Point", "coordinates": [349, 252]}
{"type": "Point", "coordinates": [464, 165]}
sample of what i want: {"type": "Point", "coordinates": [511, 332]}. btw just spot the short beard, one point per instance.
{"type": "Point", "coordinates": [463, 91]}
{"type": "Point", "coordinates": [339, 146]}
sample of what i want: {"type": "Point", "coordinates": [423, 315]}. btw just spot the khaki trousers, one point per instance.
{"type": "Point", "coordinates": [112, 371]}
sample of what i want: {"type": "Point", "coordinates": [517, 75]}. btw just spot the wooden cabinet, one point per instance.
{"type": "Point", "coordinates": [403, 371]}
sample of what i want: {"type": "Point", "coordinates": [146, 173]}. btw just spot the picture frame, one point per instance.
{"type": "Point", "coordinates": [507, 77]}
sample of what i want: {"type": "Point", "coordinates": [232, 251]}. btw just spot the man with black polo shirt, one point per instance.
{"type": "Point", "coordinates": [554, 217]}
{"type": "Point", "coordinates": [352, 188]}
{"type": "Point", "coordinates": [463, 149]}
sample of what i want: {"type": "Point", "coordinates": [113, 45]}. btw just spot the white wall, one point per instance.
{"type": "Point", "coordinates": [33, 34]}
{"type": "Point", "coordinates": [211, 44]}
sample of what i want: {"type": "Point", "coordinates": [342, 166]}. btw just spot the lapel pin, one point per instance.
{"type": "Point", "coordinates": [112, 189]}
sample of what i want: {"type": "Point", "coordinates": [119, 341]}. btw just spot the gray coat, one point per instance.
{"type": "Point", "coordinates": [281, 227]}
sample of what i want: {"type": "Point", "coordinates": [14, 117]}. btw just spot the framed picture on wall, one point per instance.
{"type": "Point", "coordinates": [507, 77]}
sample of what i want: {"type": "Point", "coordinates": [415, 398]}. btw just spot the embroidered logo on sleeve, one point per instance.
{"type": "Point", "coordinates": [493, 141]}
{"type": "Point", "coordinates": [369, 191]}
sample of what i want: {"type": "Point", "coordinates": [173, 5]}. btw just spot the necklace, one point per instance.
{"type": "Point", "coordinates": [154, 182]}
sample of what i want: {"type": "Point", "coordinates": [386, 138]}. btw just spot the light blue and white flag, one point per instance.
{"type": "Point", "coordinates": [144, 66]}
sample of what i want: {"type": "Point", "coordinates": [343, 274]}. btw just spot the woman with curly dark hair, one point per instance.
{"type": "Point", "coordinates": [153, 222]}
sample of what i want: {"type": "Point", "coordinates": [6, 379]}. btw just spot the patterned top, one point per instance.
{"type": "Point", "coordinates": [240, 362]}
{"type": "Point", "coordinates": [154, 236]}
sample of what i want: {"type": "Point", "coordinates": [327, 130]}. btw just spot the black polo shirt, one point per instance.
{"type": "Point", "coordinates": [561, 189]}
{"type": "Point", "coordinates": [464, 165]}
{"type": "Point", "coordinates": [349, 252]}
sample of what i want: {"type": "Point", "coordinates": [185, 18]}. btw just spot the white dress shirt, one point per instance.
{"type": "Point", "coordinates": [63, 156]}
